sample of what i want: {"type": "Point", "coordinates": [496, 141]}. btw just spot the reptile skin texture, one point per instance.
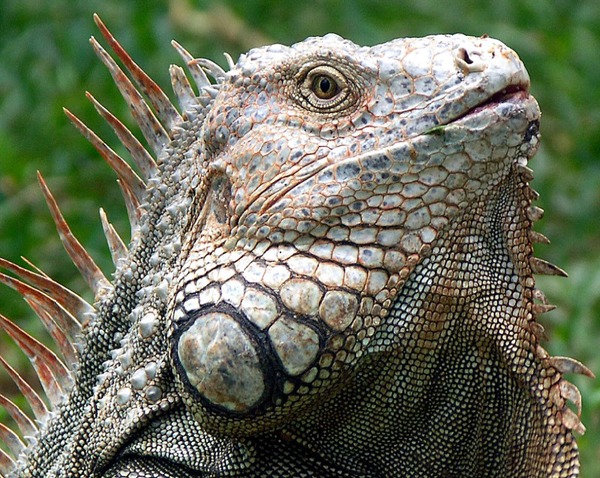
{"type": "Point", "coordinates": [331, 274]}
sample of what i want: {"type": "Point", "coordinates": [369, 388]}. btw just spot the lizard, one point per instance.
{"type": "Point", "coordinates": [330, 274]}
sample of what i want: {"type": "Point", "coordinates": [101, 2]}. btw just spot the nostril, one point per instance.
{"type": "Point", "coordinates": [464, 56]}
{"type": "Point", "coordinates": [469, 62]}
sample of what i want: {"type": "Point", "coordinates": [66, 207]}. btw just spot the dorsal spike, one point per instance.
{"type": "Point", "coordinates": [52, 325]}
{"type": "Point", "coordinates": [167, 113]}
{"type": "Point", "coordinates": [82, 260]}
{"type": "Point", "coordinates": [182, 88]}
{"type": "Point", "coordinates": [538, 237]}
{"type": "Point", "coordinates": [205, 99]}
{"type": "Point", "coordinates": [53, 374]}
{"type": "Point", "coordinates": [7, 464]}
{"type": "Point", "coordinates": [230, 61]}
{"type": "Point", "coordinates": [12, 440]}
{"type": "Point", "coordinates": [195, 69]}
{"type": "Point", "coordinates": [118, 164]}
{"type": "Point", "coordinates": [542, 267]}
{"type": "Point", "coordinates": [211, 91]}
{"type": "Point", "coordinates": [71, 302]}
{"type": "Point", "coordinates": [25, 424]}
{"type": "Point", "coordinates": [140, 156]}
{"type": "Point", "coordinates": [51, 387]}
{"type": "Point", "coordinates": [572, 421]}
{"type": "Point", "coordinates": [534, 213]}
{"type": "Point", "coordinates": [526, 172]}
{"type": "Point", "coordinates": [211, 68]}
{"type": "Point", "coordinates": [33, 399]}
{"type": "Point", "coordinates": [151, 128]}
{"type": "Point", "coordinates": [543, 308]}
{"type": "Point", "coordinates": [118, 249]}
{"type": "Point", "coordinates": [132, 204]}
{"type": "Point", "coordinates": [571, 393]}
{"type": "Point", "coordinates": [34, 267]}
{"type": "Point", "coordinates": [570, 365]}
{"type": "Point", "coordinates": [57, 321]}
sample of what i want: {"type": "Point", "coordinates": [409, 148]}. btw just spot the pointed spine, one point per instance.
{"type": "Point", "coordinates": [161, 103]}
{"type": "Point", "coordinates": [182, 88]}
{"type": "Point", "coordinates": [53, 374]}
{"type": "Point", "coordinates": [571, 393]}
{"type": "Point", "coordinates": [71, 302]}
{"type": "Point", "coordinates": [195, 69]}
{"type": "Point", "coordinates": [572, 421]}
{"type": "Point", "coordinates": [12, 440]}
{"type": "Point", "coordinates": [82, 260]}
{"type": "Point", "coordinates": [33, 399]}
{"type": "Point", "coordinates": [141, 157]}
{"type": "Point", "coordinates": [132, 204]}
{"type": "Point", "coordinates": [538, 294]}
{"type": "Point", "coordinates": [34, 267]}
{"type": "Point", "coordinates": [118, 164]}
{"type": "Point", "coordinates": [532, 194]}
{"type": "Point", "coordinates": [230, 62]}
{"type": "Point", "coordinates": [52, 325]}
{"type": "Point", "coordinates": [7, 464]}
{"type": "Point", "coordinates": [26, 426]}
{"type": "Point", "coordinates": [538, 330]}
{"type": "Point", "coordinates": [534, 213]}
{"type": "Point", "coordinates": [151, 128]}
{"type": "Point", "coordinates": [118, 249]}
{"type": "Point", "coordinates": [542, 308]}
{"type": "Point", "coordinates": [57, 321]}
{"type": "Point", "coordinates": [538, 237]}
{"type": "Point", "coordinates": [570, 365]}
{"type": "Point", "coordinates": [525, 172]}
{"type": "Point", "coordinates": [540, 266]}
{"type": "Point", "coordinates": [211, 68]}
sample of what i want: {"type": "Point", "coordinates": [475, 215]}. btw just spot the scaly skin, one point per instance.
{"type": "Point", "coordinates": [332, 276]}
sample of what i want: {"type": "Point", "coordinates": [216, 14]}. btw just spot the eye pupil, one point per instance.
{"type": "Point", "coordinates": [325, 84]}
{"type": "Point", "coordinates": [325, 87]}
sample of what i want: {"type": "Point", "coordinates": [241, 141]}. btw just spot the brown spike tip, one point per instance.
{"type": "Point", "coordinates": [570, 365]}
{"type": "Point", "coordinates": [540, 266]}
{"type": "Point", "coordinates": [80, 257]}
{"type": "Point", "coordinates": [161, 103]}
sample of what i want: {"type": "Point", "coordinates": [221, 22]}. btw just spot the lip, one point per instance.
{"type": "Point", "coordinates": [511, 94]}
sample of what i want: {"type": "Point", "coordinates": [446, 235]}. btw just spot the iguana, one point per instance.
{"type": "Point", "coordinates": [331, 274]}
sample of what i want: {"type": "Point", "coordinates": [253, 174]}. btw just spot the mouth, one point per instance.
{"type": "Point", "coordinates": [513, 94]}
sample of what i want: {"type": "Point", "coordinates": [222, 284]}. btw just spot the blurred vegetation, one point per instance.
{"type": "Point", "coordinates": [46, 62]}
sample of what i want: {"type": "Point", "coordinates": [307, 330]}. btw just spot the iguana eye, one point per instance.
{"type": "Point", "coordinates": [324, 89]}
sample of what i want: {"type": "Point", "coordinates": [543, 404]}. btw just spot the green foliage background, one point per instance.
{"type": "Point", "coordinates": [46, 62]}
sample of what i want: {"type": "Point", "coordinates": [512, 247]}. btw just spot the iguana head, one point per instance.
{"type": "Point", "coordinates": [331, 250]}
{"type": "Point", "coordinates": [332, 170]}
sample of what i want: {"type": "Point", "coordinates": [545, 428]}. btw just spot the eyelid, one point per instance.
{"type": "Point", "coordinates": [329, 71]}
{"type": "Point", "coordinates": [343, 99]}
